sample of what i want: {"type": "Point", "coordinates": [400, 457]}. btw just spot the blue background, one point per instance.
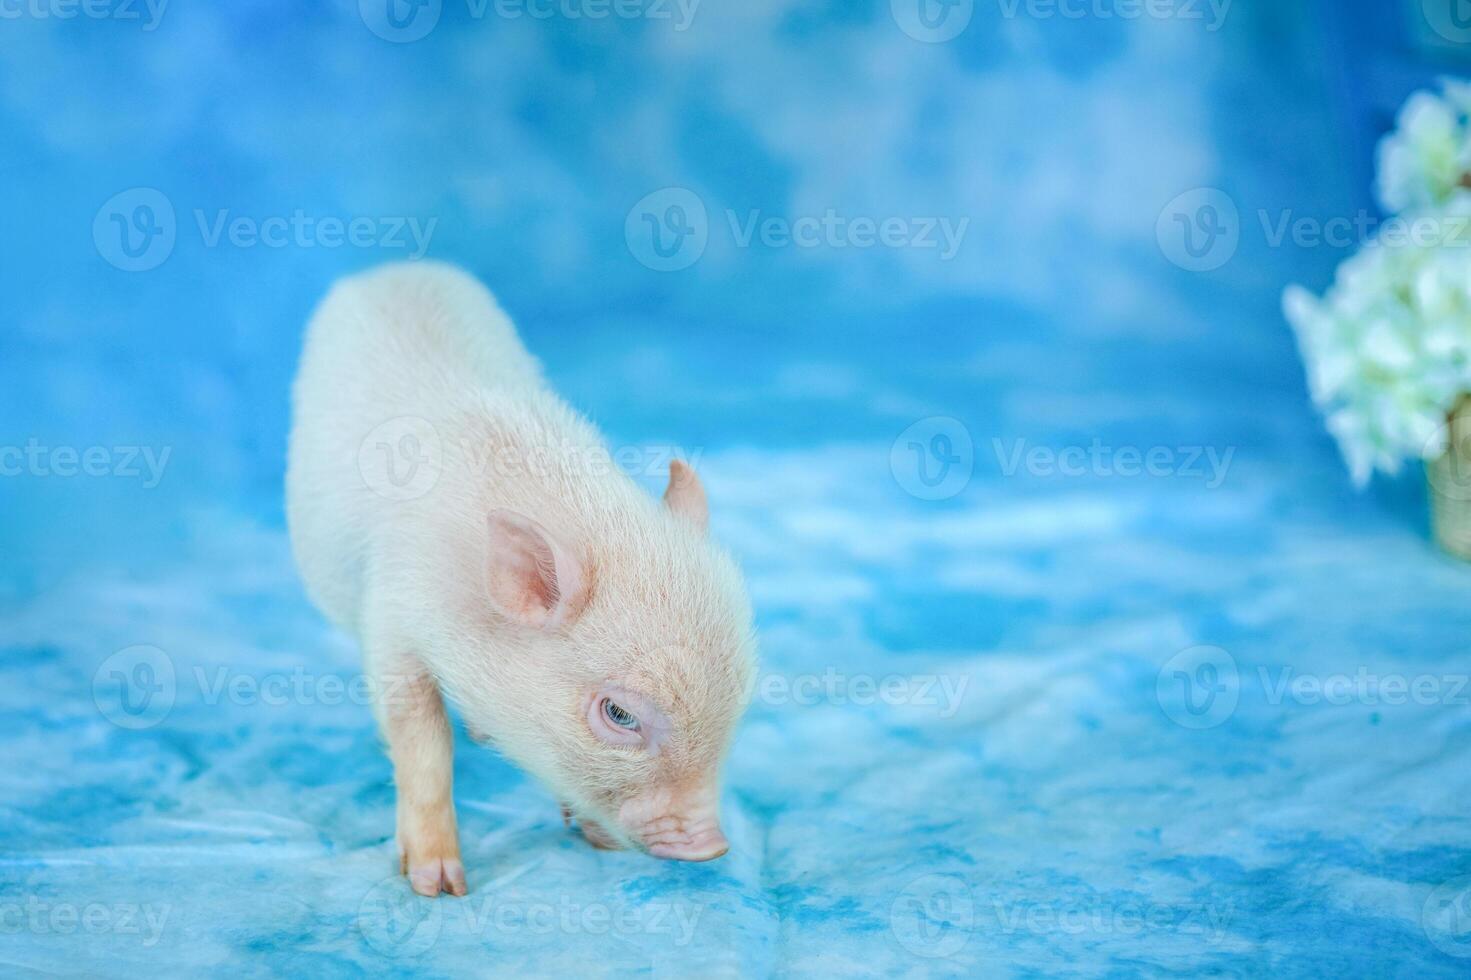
{"type": "Point", "coordinates": [1069, 814]}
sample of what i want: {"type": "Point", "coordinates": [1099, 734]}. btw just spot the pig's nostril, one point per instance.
{"type": "Point", "coordinates": [702, 848]}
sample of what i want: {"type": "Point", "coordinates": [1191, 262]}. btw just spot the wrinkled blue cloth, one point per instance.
{"type": "Point", "coordinates": [1080, 655]}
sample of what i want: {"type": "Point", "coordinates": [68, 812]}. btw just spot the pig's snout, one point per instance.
{"type": "Point", "coordinates": [676, 826]}
{"type": "Point", "coordinates": [701, 844]}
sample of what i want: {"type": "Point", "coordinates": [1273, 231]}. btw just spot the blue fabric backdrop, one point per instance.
{"type": "Point", "coordinates": [920, 305]}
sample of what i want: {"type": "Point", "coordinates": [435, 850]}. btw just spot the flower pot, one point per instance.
{"type": "Point", "coordinates": [1449, 477]}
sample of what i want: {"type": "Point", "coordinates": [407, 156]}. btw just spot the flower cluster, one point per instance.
{"type": "Point", "coordinates": [1424, 162]}
{"type": "Point", "coordinates": [1388, 348]}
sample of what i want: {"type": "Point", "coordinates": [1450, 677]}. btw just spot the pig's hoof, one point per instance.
{"type": "Point", "coordinates": [430, 876]}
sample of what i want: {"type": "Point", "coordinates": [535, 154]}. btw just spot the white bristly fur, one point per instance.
{"type": "Point", "coordinates": [661, 611]}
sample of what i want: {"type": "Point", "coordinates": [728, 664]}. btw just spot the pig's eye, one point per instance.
{"type": "Point", "coordinates": [618, 716]}
{"type": "Point", "coordinates": [623, 718]}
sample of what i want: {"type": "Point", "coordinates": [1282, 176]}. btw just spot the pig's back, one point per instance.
{"type": "Point", "coordinates": [386, 352]}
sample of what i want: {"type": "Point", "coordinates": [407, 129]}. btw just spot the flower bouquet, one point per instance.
{"type": "Point", "coordinates": [1388, 347]}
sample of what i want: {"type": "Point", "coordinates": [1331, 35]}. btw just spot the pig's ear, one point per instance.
{"type": "Point", "coordinates": [532, 578]}
{"type": "Point", "coordinates": [685, 496]}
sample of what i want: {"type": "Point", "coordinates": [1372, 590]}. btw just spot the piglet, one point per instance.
{"type": "Point", "coordinates": [453, 513]}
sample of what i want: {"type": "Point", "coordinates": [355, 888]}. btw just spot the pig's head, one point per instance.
{"type": "Point", "coordinates": [624, 657]}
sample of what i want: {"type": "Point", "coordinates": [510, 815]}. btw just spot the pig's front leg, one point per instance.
{"type": "Point", "coordinates": [421, 745]}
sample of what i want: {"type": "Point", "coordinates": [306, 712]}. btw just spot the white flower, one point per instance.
{"type": "Point", "coordinates": [1388, 348]}
{"type": "Point", "coordinates": [1423, 162]}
